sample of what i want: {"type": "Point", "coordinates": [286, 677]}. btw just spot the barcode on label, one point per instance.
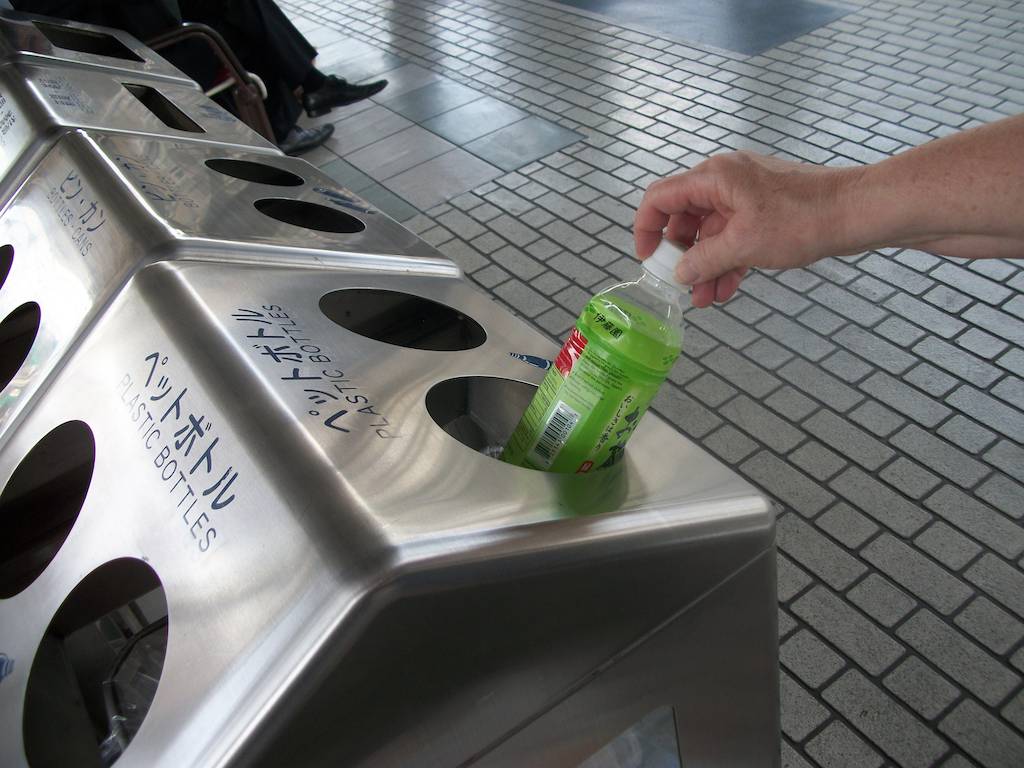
{"type": "Point", "coordinates": [557, 431]}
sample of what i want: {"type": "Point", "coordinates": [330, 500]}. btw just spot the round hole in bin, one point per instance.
{"type": "Point", "coordinates": [41, 502]}
{"type": "Point", "coordinates": [97, 668]}
{"type": "Point", "coordinates": [309, 215]}
{"type": "Point", "coordinates": [402, 319]}
{"type": "Point", "coordinates": [6, 262]}
{"type": "Point", "coordinates": [17, 334]}
{"type": "Point", "coordinates": [260, 173]}
{"type": "Point", "coordinates": [479, 411]}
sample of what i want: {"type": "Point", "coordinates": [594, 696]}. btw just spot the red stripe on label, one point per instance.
{"type": "Point", "coordinates": [570, 352]}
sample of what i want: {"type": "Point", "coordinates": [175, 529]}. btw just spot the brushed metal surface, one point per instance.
{"type": "Point", "coordinates": [40, 103]}
{"type": "Point", "coordinates": [375, 592]}
{"type": "Point", "coordinates": [48, 41]}
{"type": "Point", "coordinates": [98, 208]}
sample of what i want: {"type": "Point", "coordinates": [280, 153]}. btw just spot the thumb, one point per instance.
{"type": "Point", "coordinates": [707, 259]}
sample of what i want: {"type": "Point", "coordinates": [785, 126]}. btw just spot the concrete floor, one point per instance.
{"type": "Point", "coordinates": [879, 398]}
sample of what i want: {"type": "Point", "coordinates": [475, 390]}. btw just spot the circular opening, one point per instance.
{"type": "Point", "coordinates": [247, 170]}
{"type": "Point", "coordinates": [17, 334]}
{"type": "Point", "coordinates": [6, 262]}
{"type": "Point", "coordinates": [309, 215]}
{"type": "Point", "coordinates": [479, 411]}
{"type": "Point", "coordinates": [97, 668]}
{"type": "Point", "coordinates": [41, 502]}
{"type": "Point", "coordinates": [402, 319]}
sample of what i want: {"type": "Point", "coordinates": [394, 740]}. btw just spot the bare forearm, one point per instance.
{"type": "Point", "coordinates": [962, 195]}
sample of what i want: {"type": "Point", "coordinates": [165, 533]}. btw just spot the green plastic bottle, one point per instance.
{"type": "Point", "coordinates": [590, 401]}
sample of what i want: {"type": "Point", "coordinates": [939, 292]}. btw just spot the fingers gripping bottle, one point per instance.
{"type": "Point", "coordinates": [617, 356]}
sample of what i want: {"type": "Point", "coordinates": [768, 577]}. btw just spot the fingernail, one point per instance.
{"type": "Point", "coordinates": [685, 273]}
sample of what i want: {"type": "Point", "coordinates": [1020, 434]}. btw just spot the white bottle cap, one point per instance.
{"type": "Point", "coordinates": [662, 263]}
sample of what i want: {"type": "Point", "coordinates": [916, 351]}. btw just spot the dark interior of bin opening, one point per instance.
{"type": "Point", "coordinates": [162, 108]}
{"type": "Point", "coordinates": [86, 41]}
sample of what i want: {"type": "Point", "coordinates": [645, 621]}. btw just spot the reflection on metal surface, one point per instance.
{"type": "Point", "coordinates": [44, 40]}
{"type": "Point", "coordinates": [402, 319]}
{"type": "Point", "coordinates": [41, 502]}
{"type": "Point", "coordinates": [96, 670]}
{"type": "Point", "coordinates": [651, 743]}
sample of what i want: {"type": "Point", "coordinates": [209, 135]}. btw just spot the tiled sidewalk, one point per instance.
{"type": "Point", "coordinates": [879, 398]}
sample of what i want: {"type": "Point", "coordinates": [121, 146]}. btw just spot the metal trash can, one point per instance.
{"type": "Point", "coordinates": [39, 104]}
{"type": "Point", "coordinates": [99, 207]}
{"type": "Point", "coordinates": [263, 492]}
{"type": "Point", "coordinates": [44, 40]}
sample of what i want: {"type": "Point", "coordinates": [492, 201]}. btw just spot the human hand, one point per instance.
{"type": "Point", "coordinates": [740, 210]}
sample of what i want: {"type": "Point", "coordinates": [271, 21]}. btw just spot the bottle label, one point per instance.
{"type": "Point", "coordinates": [585, 410]}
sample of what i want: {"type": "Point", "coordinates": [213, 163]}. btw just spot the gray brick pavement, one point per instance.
{"type": "Point", "coordinates": [878, 398]}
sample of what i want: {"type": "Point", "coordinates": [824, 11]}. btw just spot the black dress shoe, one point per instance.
{"type": "Point", "coordinates": [301, 139]}
{"type": "Point", "coordinates": [337, 92]}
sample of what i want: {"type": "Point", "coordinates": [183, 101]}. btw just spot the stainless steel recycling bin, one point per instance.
{"type": "Point", "coordinates": [44, 40]}
{"type": "Point", "coordinates": [40, 103]}
{"type": "Point", "coordinates": [101, 206]}
{"type": "Point", "coordinates": [281, 472]}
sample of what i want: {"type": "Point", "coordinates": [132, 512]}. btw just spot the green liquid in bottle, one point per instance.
{"type": "Point", "coordinates": [590, 401]}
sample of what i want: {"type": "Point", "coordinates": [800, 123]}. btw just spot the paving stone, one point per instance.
{"type": "Point", "coordinates": [924, 315]}
{"type": "Point", "coordinates": [1008, 457]}
{"type": "Point", "coordinates": [689, 415]}
{"type": "Point", "coordinates": [730, 444]}
{"type": "Point", "coordinates": [989, 411]}
{"type": "Point", "coordinates": [959, 657]}
{"type": "Point", "coordinates": [710, 389]}
{"type": "Point", "coordinates": [881, 600]}
{"type": "Point", "coordinates": [513, 230]}
{"type": "Point", "coordinates": [888, 724]}
{"type": "Point", "coordinates": [908, 477]}
{"type": "Point", "coordinates": [917, 573]}
{"type": "Point", "coordinates": [790, 403]}
{"type": "Point", "coordinates": [741, 372]}
{"type": "Point", "coordinates": [944, 297]}
{"type": "Point", "coordinates": [568, 237]}
{"type": "Point", "coordinates": [791, 758]}
{"type": "Point", "coordinates": [795, 337]}
{"type": "Point", "coordinates": [996, 322]}
{"type": "Point", "coordinates": [774, 295]}
{"type": "Point", "coordinates": [724, 328]}
{"type": "Point", "coordinates": [836, 746]}
{"type": "Point", "coordinates": [905, 400]}
{"type": "Point", "coordinates": [924, 690]}
{"type": "Point", "coordinates": [786, 624]}
{"type": "Point", "coordinates": [557, 322]}
{"type": "Point", "coordinates": [817, 553]}
{"type": "Point", "coordinates": [823, 386]}
{"type": "Point", "coordinates": [746, 309]}
{"type": "Point", "coordinates": [800, 711]}
{"type": "Point", "coordinates": [999, 580]}
{"type": "Point", "coordinates": [1004, 494]}
{"type": "Point", "coordinates": [787, 484]}
{"type": "Point", "coordinates": [792, 580]}
{"type": "Point", "coordinates": [896, 274]}
{"type": "Point", "coordinates": [952, 549]}
{"type": "Point", "coordinates": [1014, 711]}
{"type": "Point", "coordinates": [939, 456]}
{"type": "Point", "coordinates": [991, 625]}
{"type": "Point", "coordinates": [877, 418]}
{"type": "Point", "coordinates": [848, 630]}
{"type": "Point", "coordinates": [762, 424]}
{"type": "Point", "coordinates": [968, 434]}
{"type": "Point", "coordinates": [817, 460]}
{"type": "Point", "coordinates": [970, 283]}
{"type": "Point", "coordinates": [877, 351]}
{"type": "Point", "coordinates": [847, 304]}
{"type": "Point", "coordinates": [880, 502]}
{"type": "Point", "coordinates": [983, 736]}
{"type": "Point", "coordinates": [985, 524]}
{"type": "Point", "coordinates": [767, 353]}
{"type": "Point", "coordinates": [518, 263]}
{"type": "Point", "coordinates": [799, 280]}
{"type": "Point", "coordinates": [851, 441]}
{"type": "Point", "coordinates": [810, 659]}
{"type": "Point", "coordinates": [930, 379]}
{"type": "Point", "coordinates": [491, 276]}
{"type": "Point", "coordinates": [822, 320]}
{"type": "Point", "coordinates": [847, 367]}
{"type": "Point", "coordinates": [980, 343]}
{"type": "Point", "coordinates": [522, 298]}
